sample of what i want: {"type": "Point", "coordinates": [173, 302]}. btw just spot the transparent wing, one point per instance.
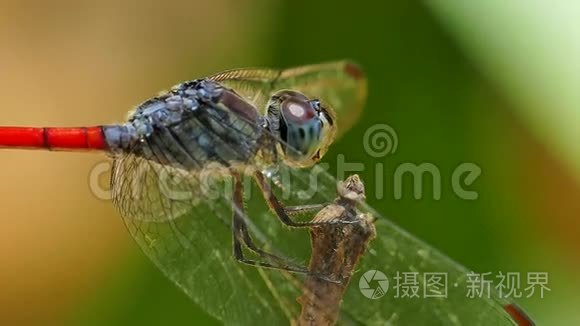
{"type": "Point", "coordinates": [182, 221]}
{"type": "Point", "coordinates": [340, 85]}
{"type": "Point", "coordinates": [194, 251]}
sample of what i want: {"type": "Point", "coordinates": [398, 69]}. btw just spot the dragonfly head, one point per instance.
{"type": "Point", "coordinates": [306, 128]}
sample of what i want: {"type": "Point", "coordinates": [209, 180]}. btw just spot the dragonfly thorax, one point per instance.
{"type": "Point", "coordinates": [196, 124]}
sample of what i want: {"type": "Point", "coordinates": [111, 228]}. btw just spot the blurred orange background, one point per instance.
{"type": "Point", "coordinates": [68, 63]}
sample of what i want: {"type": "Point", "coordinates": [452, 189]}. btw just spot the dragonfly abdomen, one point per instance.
{"type": "Point", "coordinates": [81, 138]}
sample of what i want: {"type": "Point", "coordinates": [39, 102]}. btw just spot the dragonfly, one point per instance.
{"type": "Point", "coordinates": [231, 155]}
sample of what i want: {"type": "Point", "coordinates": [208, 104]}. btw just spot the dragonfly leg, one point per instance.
{"type": "Point", "coordinates": [241, 236]}
{"type": "Point", "coordinates": [239, 226]}
{"type": "Point", "coordinates": [303, 209]}
{"type": "Point", "coordinates": [283, 212]}
{"type": "Point", "coordinates": [239, 256]}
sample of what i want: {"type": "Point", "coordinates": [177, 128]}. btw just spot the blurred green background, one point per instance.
{"type": "Point", "coordinates": [491, 83]}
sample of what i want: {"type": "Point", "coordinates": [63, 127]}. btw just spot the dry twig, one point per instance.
{"type": "Point", "coordinates": [336, 250]}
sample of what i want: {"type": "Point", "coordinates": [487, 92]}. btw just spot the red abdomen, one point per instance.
{"type": "Point", "coordinates": [82, 138]}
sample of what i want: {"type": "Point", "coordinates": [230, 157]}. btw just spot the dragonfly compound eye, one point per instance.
{"type": "Point", "coordinates": [303, 126]}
